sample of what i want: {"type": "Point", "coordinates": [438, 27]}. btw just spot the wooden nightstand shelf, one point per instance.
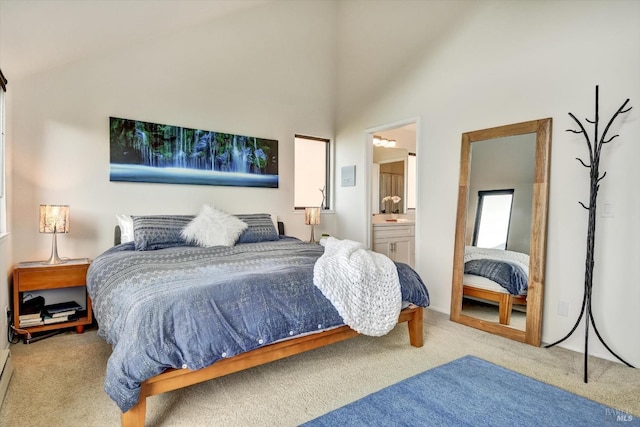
{"type": "Point", "coordinates": [36, 276]}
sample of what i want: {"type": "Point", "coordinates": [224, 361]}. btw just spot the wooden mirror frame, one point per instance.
{"type": "Point", "coordinates": [537, 253]}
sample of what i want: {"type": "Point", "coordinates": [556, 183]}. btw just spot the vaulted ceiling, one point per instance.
{"type": "Point", "coordinates": [376, 39]}
{"type": "Point", "coordinates": [36, 35]}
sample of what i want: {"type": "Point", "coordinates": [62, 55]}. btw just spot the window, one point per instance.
{"type": "Point", "coordinates": [311, 172]}
{"type": "Point", "coordinates": [492, 219]}
{"type": "Point", "coordinates": [3, 198]}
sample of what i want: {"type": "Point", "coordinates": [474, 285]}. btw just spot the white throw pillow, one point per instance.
{"type": "Point", "coordinates": [212, 227]}
{"type": "Point", "coordinates": [125, 222]}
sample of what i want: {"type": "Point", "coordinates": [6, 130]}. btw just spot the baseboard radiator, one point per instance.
{"type": "Point", "coordinates": [6, 369]}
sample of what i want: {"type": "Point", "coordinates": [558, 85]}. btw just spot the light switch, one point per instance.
{"type": "Point", "coordinates": [348, 176]}
{"type": "Point", "coordinates": [608, 209]}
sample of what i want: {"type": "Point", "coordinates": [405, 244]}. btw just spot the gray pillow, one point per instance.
{"type": "Point", "coordinates": [153, 232]}
{"type": "Point", "coordinates": [260, 229]}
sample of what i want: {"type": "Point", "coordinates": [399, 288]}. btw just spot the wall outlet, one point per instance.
{"type": "Point", "coordinates": [7, 313]}
{"type": "Point", "coordinates": [563, 308]}
{"type": "Point", "coordinates": [608, 209]}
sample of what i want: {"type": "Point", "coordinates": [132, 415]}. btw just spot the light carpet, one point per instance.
{"type": "Point", "coordinates": [59, 381]}
{"type": "Point", "coordinates": [473, 392]}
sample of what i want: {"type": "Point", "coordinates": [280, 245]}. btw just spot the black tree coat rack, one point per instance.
{"type": "Point", "coordinates": [595, 148]}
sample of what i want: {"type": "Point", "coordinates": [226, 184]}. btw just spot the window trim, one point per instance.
{"type": "Point", "coordinates": [3, 81]}
{"type": "Point", "coordinates": [327, 193]}
{"type": "Point", "coordinates": [3, 156]}
{"type": "Point", "coordinates": [3, 88]}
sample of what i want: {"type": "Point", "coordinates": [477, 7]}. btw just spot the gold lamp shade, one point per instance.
{"type": "Point", "coordinates": [312, 218]}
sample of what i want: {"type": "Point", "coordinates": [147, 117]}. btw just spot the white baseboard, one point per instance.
{"type": "Point", "coordinates": [6, 370]}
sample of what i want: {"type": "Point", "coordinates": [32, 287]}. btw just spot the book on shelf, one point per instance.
{"type": "Point", "coordinates": [30, 323]}
{"type": "Point", "coordinates": [50, 320]}
{"type": "Point", "coordinates": [64, 313]}
{"type": "Point", "coordinates": [31, 316]}
{"type": "Point", "coordinates": [52, 309]}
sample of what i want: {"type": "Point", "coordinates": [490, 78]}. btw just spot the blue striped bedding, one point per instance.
{"type": "Point", "coordinates": [188, 307]}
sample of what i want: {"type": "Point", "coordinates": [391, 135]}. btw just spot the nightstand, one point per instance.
{"type": "Point", "coordinates": [36, 276]}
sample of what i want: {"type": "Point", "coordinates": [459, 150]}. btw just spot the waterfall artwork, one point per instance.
{"type": "Point", "coordinates": [150, 152]}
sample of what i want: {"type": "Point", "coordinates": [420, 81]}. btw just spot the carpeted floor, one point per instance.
{"type": "Point", "coordinates": [58, 381]}
{"type": "Point", "coordinates": [489, 312]}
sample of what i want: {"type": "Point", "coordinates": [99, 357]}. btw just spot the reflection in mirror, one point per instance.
{"type": "Point", "coordinates": [499, 217]}
{"type": "Point", "coordinates": [493, 217]}
{"type": "Point", "coordinates": [392, 169]}
{"type": "Point", "coordinates": [500, 231]}
{"type": "Point", "coordinates": [392, 187]}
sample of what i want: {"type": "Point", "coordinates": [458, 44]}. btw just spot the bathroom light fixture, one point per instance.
{"type": "Point", "coordinates": [379, 141]}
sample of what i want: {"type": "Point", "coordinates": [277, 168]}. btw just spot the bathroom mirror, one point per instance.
{"type": "Point", "coordinates": [390, 171]}
{"type": "Point", "coordinates": [500, 240]}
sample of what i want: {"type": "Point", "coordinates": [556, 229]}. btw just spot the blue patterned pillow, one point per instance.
{"type": "Point", "coordinates": [260, 229]}
{"type": "Point", "coordinates": [153, 232]}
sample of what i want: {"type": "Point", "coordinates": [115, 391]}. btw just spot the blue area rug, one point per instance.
{"type": "Point", "coordinates": [473, 392]}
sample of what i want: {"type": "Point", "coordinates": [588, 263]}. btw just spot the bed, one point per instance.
{"type": "Point", "coordinates": [177, 313]}
{"type": "Point", "coordinates": [498, 276]}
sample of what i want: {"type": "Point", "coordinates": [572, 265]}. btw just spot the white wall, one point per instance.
{"type": "Point", "coordinates": [266, 72]}
{"type": "Point", "coordinates": [511, 62]}
{"type": "Point", "coordinates": [6, 266]}
{"type": "Point", "coordinates": [271, 72]}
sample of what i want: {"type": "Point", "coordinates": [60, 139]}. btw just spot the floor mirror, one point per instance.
{"type": "Point", "coordinates": [501, 225]}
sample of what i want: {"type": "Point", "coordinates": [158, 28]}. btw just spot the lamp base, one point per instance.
{"type": "Point", "coordinates": [312, 239]}
{"type": "Point", "coordinates": [54, 258]}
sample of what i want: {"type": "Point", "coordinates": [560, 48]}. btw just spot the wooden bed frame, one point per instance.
{"type": "Point", "coordinates": [173, 379]}
{"type": "Point", "coordinates": [505, 300]}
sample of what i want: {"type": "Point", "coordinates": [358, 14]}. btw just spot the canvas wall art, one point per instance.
{"type": "Point", "coordinates": [151, 152]}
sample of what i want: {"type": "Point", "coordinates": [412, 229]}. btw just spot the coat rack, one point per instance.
{"type": "Point", "coordinates": [594, 162]}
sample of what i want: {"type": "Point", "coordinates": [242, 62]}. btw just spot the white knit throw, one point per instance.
{"type": "Point", "coordinates": [361, 284]}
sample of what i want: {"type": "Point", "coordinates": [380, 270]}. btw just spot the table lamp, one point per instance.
{"type": "Point", "coordinates": [312, 217]}
{"type": "Point", "coordinates": [54, 219]}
